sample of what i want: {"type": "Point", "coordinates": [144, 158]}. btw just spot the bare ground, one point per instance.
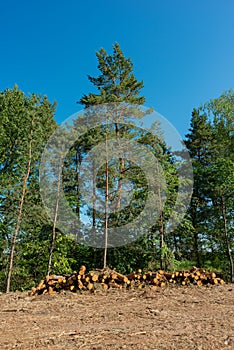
{"type": "Point", "coordinates": [184, 318]}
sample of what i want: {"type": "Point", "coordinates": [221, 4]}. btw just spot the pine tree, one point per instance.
{"type": "Point", "coordinates": [220, 174]}
{"type": "Point", "coordinates": [200, 144]}
{"type": "Point", "coordinates": [115, 84]}
{"type": "Point", "coordinates": [210, 143]}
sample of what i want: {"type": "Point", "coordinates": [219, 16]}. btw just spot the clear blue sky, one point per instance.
{"type": "Point", "coordinates": [183, 50]}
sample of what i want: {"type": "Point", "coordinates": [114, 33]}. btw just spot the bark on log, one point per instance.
{"type": "Point", "coordinates": [108, 278]}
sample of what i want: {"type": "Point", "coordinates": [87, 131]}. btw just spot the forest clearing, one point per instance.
{"type": "Point", "coordinates": [186, 318]}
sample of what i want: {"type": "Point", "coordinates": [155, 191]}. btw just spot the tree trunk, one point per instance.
{"type": "Point", "coordinates": [94, 197]}
{"type": "Point", "coordinates": [78, 164]}
{"type": "Point", "coordinates": [160, 208]}
{"type": "Point", "coordinates": [161, 232]}
{"type": "Point", "coordinates": [197, 255]}
{"type": "Point", "coordinates": [121, 170]}
{"type": "Point", "coordinates": [19, 218]}
{"type": "Point", "coordinates": [106, 203]}
{"type": "Point", "coordinates": [175, 245]}
{"type": "Point", "coordinates": [55, 217]}
{"type": "Point", "coordinates": [227, 239]}
{"type": "Point", "coordinates": [195, 235]}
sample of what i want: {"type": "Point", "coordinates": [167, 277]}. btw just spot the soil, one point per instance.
{"type": "Point", "coordinates": [190, 318]}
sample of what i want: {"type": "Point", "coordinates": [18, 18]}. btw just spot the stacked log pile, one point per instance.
{"type": "Point", "coordinates": [107, 278]}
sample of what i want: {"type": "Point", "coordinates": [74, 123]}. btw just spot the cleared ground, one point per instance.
{"type": "Point", "coordinates": [184, 318]}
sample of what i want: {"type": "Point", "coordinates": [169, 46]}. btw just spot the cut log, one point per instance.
{"type": "Point", "coordinates": [214, 281]}
{"type": "Point", "coordinates": [82, 270]}
{"type": "Point", "coordinates": [108, 278]}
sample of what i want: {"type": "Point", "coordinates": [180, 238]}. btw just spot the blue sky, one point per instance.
{"type": "Point", "coordinates": [183, 50]}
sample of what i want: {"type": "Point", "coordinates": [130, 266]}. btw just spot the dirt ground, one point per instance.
{"type": "Point", "coordinates": [184, 318]}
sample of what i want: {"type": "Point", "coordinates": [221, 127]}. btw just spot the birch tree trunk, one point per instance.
{"type": "Point", "coordinates": [19, 218]}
